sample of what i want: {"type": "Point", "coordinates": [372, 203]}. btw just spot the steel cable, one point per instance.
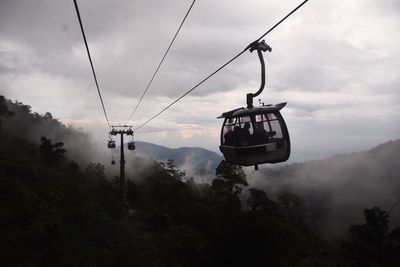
{"type": "Point", "coordinates": [90, 60]}
{"type": "Point", "coordinates": [162, 60]}
{"type": "Point", "coordinates": [220, 68]}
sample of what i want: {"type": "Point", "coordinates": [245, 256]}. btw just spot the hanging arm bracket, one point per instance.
{"type": "Point", "coordinates": [260, 47]}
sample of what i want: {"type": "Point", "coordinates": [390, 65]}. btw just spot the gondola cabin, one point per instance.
{"type": "Point", "coordinates": [256, 135]}
{"type": "Point", "coordinates": [111, 144]}
{"type": "Point", "coordinates": [131, 145]}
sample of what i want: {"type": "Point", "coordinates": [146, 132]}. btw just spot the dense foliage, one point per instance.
{"type": "Point", "coordinates": [54, 213]}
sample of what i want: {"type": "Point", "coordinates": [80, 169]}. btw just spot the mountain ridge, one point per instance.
{"type": "Point", "coordinates": [195, 160]}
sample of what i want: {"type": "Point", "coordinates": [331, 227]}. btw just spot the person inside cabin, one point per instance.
{"type": "Point", "coordinates": [229, 136]}
{"type": "Point", "coordinates": [244, 134]}
{"type": "Point", "coordinates": [260, 135]}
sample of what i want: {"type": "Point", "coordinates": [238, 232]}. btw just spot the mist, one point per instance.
{"type": "Point", "coordinates": [79, 145]}
{"type": "Point", "coordinates": [336, 190]}
{"type": "Point", "coordinates": [82, 149]}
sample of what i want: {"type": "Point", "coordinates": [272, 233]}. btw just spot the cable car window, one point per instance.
{"type": "Point", "coordinates": [271, 116]}
{"type": "Point", "coordinates": [276, 127]}
{"type": "Point", "coordinates": [264, 125]}
{"type": "Point", "coordinates": [243, 131]}
{"type": "Point", "coordinates": [260, 117]}
{"type": "Point", "coordinates": [244, 119]}
{"type": "Point", "coordinates": [227, 134]}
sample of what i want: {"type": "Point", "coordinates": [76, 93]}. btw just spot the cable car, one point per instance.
{"type": "Point", "coordinates": [255, 135]}
{"type": "Point", "coordinates": [131, 145]}
{"type": "Point", "coordinates": [252, 136]}
{"type": "Point", "coordinates": [111, 144]}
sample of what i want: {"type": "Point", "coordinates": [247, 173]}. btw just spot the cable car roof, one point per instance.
{"type": "Point", "coordinates": [255, 110]}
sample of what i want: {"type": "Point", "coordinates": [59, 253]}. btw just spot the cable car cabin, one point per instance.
{"type": "Point", "coordinates": [131, 145]}
{"type": "Point", "coordinates": [111, 144]}
{"type": "Point", "coordinates": [252, 136]}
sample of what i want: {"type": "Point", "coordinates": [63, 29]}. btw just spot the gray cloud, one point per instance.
{"type": "Point", "coordinates": [329, 60]}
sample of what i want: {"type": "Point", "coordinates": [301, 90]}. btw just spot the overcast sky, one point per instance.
{"type": "Point", "coordinates": [336, 63]}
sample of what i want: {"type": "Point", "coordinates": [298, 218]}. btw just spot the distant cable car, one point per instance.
{"type": "Point", "coordinates": [131, 145]}
{"type": "Point", "coordinates": [255, 135]}
{"type": "Point", "coordinates": [111, 144]}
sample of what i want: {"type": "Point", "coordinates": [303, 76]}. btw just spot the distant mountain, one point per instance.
{"type": "Point", "coordinates": [196, 161]}
{"type": "Point", "coordinates": [32, 126]}
{"type": "Point", "coordinates": [339, 188]}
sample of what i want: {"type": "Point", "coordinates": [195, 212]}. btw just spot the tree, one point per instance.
{"type": "Point", "coordinates": [24, 108]}
{"type": "Point", "coordinates": [172, 169]}
{"type": "Point", "coordinates": [293, 208]}
{"type": "Point", "coordinates": [226, 188]}
{"type": "Point", "coordinates": [4, 111]}
{"type": "Point", "coordinates": [50, 151]}
{"type": "Point", "coordinates": [257, 198]}
{"type": "Point", "coordinates": [48, 115]}
{"type": "Point", "coordinates": [374, 239]}
{"type": "Point", "coordinates": [95, 171]}
{"type": "Point", "coordinates": [229, 178]}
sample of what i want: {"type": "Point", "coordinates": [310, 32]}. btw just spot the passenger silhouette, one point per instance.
{"type": "Point", "coordinates": [229, 137]}
{"type": "Point", "coordinates": [260, 135]}
{"type": "Point", "coordinates": [244, 134]}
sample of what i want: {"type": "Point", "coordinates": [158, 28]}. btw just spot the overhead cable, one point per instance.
{"type": "Point", "coordinates": [90, 60]}
{"type": "Point", "coordinates": [162, 60]}
{"type": "Point", "coordinates": [220, 68]}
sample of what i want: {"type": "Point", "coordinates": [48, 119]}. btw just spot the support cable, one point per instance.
{"type": "Point", "coordinates": [220, 68]}
{"type": "Point", "coordinates": [90, 60]}
{"type": "Point", "coordinates": [162, 60]}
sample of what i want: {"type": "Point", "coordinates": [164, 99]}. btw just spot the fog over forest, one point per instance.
{"type": "Point", "coordinates": [337, 188]}
{"type": "Point", "coordinates": [342, 185]}
{"type": "Point", "coordinates": [179, 190]}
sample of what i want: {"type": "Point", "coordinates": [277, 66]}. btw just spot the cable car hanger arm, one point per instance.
{"type": "Point", "coordinates": [260, 47]}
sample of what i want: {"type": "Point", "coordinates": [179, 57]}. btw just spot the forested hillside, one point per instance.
{"type": "Point", "coordinates": [32, 126]}
{"type": "Point", "coordinates": [196, 161]}
{"type": "Point", "coordinates": [337, 188]}
{"type": "Point", "coordinates": [55, 212]}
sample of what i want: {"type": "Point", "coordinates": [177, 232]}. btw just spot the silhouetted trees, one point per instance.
{"type": "Point", "coordinates": [54, 213]}
{"type": "Point", "coordinates": [293, 208]}
{"type": "Point", "coordinates": [172, 169]}
{"type": "Point", "coordinates": [258, 200]}
{"type": "Point", "coordinates": [95, 171]}
{"type": "Point", "coordinates": [50, 151]}
{"type": "Point", "coordinates": [373, 241]}
{"type": "Point", "coordinates": [227, 185]}
{"type": "Point", "coordinates": [228, 181]}
{"type": "Point", "coordinates": [4, 111]}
